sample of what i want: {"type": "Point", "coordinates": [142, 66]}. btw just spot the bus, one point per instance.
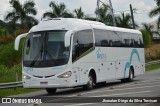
{"type": "Point", "coordinates": [69, 52]}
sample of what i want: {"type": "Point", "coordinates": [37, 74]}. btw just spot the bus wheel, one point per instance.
{"type": "Point", "coordinates": [51, 90]}
{"type": "Point", "coordinates": [131, 75]}
{"type": "Point", "coordinates": [90, 83]}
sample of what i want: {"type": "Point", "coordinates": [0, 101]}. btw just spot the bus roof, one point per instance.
{"type": "Point", "coordinates": [75, 24]}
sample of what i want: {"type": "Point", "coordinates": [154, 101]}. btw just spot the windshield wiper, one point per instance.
{"type": "Point", "coordinates": [36, 58]}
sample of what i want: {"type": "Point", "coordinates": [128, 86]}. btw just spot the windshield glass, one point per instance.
{"type": "Point", "coordinates": [45, 49]}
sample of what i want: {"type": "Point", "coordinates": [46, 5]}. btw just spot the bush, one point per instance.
{"type": "Point", "coordinates": [6, 39]}
{"type": "Point", "coordinates": [146, 38]}
{"type": "Point", "coordinates": [8, 56]}
{"type": "Point", "coordinates": [9, 75]}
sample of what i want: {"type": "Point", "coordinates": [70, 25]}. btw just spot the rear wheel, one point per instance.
{"type": "Point", "coordinates": [90, 83]}
{"type": "Point", "coordinates": [51, 90]}
{"type": "Point", "coordinates": [131, 75]}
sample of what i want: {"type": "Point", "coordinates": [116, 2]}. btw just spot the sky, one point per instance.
{"type": "Point", "coordinates": [88, 6]}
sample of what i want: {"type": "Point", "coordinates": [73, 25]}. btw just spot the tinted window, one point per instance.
{"type": "Point", "coordinates": [127, 40]}
{"type": "Point", "coordinates": [114, 39]}
{"type": "Point", "coordinates": [101, 37]}
{"type": "Point", "coordinates": [82, 44]}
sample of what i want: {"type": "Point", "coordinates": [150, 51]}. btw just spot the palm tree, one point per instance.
{"type": "Point", "coordinates": [79, 13]}
{"type": "Point", "coordinates": [105, 16]}
{"type": "Point", "coordinates": [58, 10]}
{"type": "Point", "coordinates": [150, 29]}
{"type": "Point", "coordinates": [156, 12]}
{"type": "Point", "coordinates": [124, 21]}
{"type": "Point", "coordinates": [22, 14]}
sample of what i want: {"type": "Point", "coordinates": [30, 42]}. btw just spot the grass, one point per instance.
{"type": "Point", "coordinates": [9, 74]}
{"type": "Point", "coordinates": [15, 91]}
{"type": "Point", "coordinates": [153, 67]}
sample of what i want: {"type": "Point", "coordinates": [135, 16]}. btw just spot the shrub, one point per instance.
{"type": "Point", "coordinates": [8, 56]}
{"type": "Point", "coordinates": [146, 38]}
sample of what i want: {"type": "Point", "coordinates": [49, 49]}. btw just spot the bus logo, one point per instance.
{"type": "Point", "coordinates": [100, 55]}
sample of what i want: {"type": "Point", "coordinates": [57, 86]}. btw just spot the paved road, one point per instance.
{"type": "Point", "coordinates": [147, 85]}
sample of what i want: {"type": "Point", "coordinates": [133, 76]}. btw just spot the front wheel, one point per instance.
{"type": "Point", "coordinates": [51, 90]}
{"type": "Point", "coordinates": [90, 83]}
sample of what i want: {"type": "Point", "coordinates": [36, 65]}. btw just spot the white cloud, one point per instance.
{"type": "Point", "coordinates": [88, 6]}
{"type": "Point", "coordinates": [4, 6]}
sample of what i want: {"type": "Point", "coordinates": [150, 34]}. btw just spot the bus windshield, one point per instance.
{"type": "Point", "coordinates": [45, 49]}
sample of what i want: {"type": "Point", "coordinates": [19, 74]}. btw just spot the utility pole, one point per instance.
{"type": "Point", "coordinates": [98, 14]}
{"type": "Point", "coordinates": [132, 16]}
{"type": "Point", "coordinates": [114, 21]}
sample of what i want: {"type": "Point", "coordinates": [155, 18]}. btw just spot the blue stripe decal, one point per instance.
{"type": "Point", "coordinates": [128, 64]}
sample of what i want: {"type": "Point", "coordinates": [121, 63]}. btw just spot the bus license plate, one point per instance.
{"type": "Point", "coordinates": [44, 83]}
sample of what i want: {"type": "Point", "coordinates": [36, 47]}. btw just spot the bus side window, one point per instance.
{"type": "Point", "coordinates": [115, 39]}
{"type": "Point", "coordinates": [136, 41]}
{"type": "Point", "coordinates": [82, 42]}
{"type": "Point", "coordinates": [101, 37]}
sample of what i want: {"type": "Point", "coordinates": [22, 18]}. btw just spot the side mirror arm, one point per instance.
{"type": "Point", "coordinates": [17, 40]}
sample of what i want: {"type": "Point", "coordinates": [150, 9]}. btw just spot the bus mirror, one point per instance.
{"type": "Point", "coordinates": [17, 41]}
{"type": "Point", "coordinates": [67, 38]}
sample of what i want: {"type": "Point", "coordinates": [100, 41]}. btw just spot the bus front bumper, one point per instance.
{"type": "Point", "coordinates": [47, 83]}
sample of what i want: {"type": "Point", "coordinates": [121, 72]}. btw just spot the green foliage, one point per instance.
{"type": "Point", "coordinates": [22, 13]}
{"type": "Point", "coordinates": [153, 67]}
{"type": "Point", "coordinates": [155, 12]}
{"type": "Point", "coordinates": [58, 10]}
{"type": "Point", "coordinates": [13, 91]}
{"type": "Point", "coordinates": [8, 56]}
{"type": "Point", "coordinates": [3, 31]}
{"type": "Point", "coordinates": [9, 74]}
{"type": "Point", "coordinates": [79, 13]}
{"type": "Point", "coordinates": [146, 38]}
{"type": "Point", "coordinates": [104, 15]}
{"type": "Point", "coordinates": [124, 21]}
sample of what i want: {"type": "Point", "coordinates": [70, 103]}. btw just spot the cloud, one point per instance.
{"type": "Point", "coordinates": [89, 6]}
{"type": "Point", "coordinates": [4, 6]}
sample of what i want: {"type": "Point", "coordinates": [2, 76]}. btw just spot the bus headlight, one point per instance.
{"type": "Point", "coordinates": [65, 75]}
{"type": "Point", "coordinates": [26, 76]}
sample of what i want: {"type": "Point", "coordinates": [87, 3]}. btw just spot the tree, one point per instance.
{"type": "Point", "coordinates": [22, 14]}
{"type": "Point", "coordinates": [104, 15]}
{"type": "Point", "coordinates": [146, 38]}
{"type": "Point", "coordinates": [58, 10]}
{"type": "Point", "coordinates": [124, 21]}
{"type": "Point", "coordinates": [156, 12]}
{"type": "Point", "coordinates": [150, 29]}
{"type": "Point", "coordinates": [79, 13]}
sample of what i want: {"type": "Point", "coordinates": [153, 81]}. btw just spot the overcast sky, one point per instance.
{"type": "Point", "coordinates": [88, 6]}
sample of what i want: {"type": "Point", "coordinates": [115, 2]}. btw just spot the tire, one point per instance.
{"type": "Point", "coordinates": [90, 83]}
{"type": "Point", "coordinates": [123, 80]}
{"type": "Point", "coordinates": [51, 90]}
{"type": "Point", "coordinates": [102, 83]}
{"type": "Point", "coordinates": [130, 78]}
{"type": "Point", "coordinates": [131, 75]}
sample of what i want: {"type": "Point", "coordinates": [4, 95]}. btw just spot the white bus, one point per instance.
{"type": "Point", "coordinates": [67, 52]}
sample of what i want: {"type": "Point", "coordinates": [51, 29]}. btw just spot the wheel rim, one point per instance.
{"type": "Point", "coordinates": [90, 82]}
{"type": "Point", "coordinates": [131, 75]}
